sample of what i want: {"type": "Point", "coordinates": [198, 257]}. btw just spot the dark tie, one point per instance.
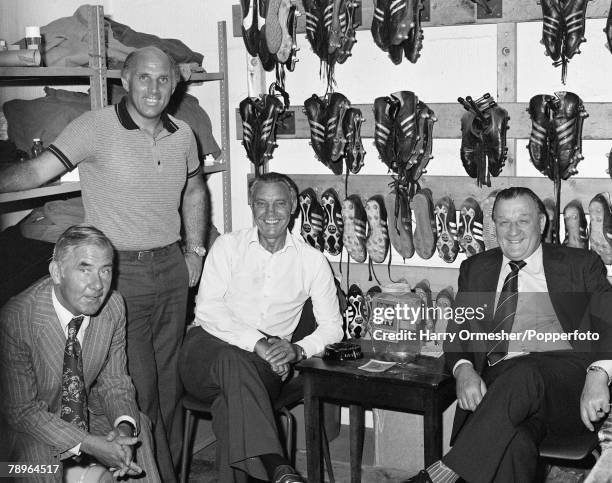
{"type": "Point", "coordinates": [74, 399]}
{"type": "Point", "coordinates": [505, 311]}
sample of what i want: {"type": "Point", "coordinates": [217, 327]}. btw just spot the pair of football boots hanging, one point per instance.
{"type": "Point", "coordinates": [483, 138]}
{"type": "Point", "coordinates": [555, 144]}
{"type": "Point", "coordinates": [322, 226]}
{"type": "Point", "coordinates": [330, 29]}
{"type": "Point", "coordinates": [260, 118]}
{"type": "Point", "coordinates": [563, 30]}
{"type": "Point", "coordinates": [396, 28]}
{"type": "Point", "coordinates": [465, 234]}
{"type": "Point", "coordinates": [335, 132]}
{"type": "Point", "coordinates": [269, 30]}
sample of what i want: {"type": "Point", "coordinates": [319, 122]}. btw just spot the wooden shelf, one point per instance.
{"type": "Point", "coordinates": [62, 188]}
{"type": "Point", "coordinates": [195, 76]}
{"type": "Point", "coordinates": [29, 72]}
{"type": "Point", "coordinates": [215, 168]}
{"type": "Point", "coordinates": [452, 12]}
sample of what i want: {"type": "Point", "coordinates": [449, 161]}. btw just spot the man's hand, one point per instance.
{"type": "Point", "coordinates": [470, 387]}
{"type": "Point", "coordinates": [112, 452]}
{"type": "Point", "coordinates": [194, 267]}
{"type": "Point", "coordinates": [595, 398]}
{"type": "Point", "coordinates": [261, 349]}
{"type": "Point", "coordinates": [121, 434]}
{"type": "Point", "coordinates": [282, 351]}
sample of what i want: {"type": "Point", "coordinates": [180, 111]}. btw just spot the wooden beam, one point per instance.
{"type": "Point", "coordinates": [453, 12]}
{"type": "Point", "coordinates": [596, 126]}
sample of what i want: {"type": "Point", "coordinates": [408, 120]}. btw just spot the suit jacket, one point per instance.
{"type": "Point", "coordinates": [31, 362]}
{"type": "Point", "coordinates": [578, 288]}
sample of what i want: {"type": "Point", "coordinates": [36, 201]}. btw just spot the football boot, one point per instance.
{"type": "Point", "coordinates": [250, 30]}
{"type": "Point", "coordinates": [385, 110]}
{"type": "Point", "coordinates": [469, 232]}
{"type": "Point", "coordinates": [312, 217]}
{"type": "Point", "coordinates": [600, 230]}
{"type": "Point", "coordinates": [576, 228]}
{"type": "Point", "coordinates": [426, 120]}
{"type": "Point", "coordinates": [349, 25]}
{"type": "Point", "coordinates": [405, 126]}
{"type": "Point", "coordinates": [399, 218]}
{"type": "Point", "coordinates": [381, 24]}
{"type": "Point", "coordinates": [377, 241]}
{"type": "Point", "coordinates": [316, 113]}
{"type": "Point", "coordinates": [446, 228]}
{"type": "Point", "coordinates": [567, 121]}
{"type": "Point", "coordinates": [354, 152]}
{"type": "Point", "coordinates": [333, 226]}
{"type": "Point", "coordinates": [425, 230]}
{"type": "Point", "coordinates": [414, 43]}
{"type": "Point", "coordinates": [489, 236]}
{"type": "Point", "coordinates": [574, 16]}
{"type": "Point", "coordinates": [250, 127]}
{"type": "Point", "coordinates": [473, 154]}
{"type": "Point", "coordinates": [357, 313]}
{"type": "Point", "coordinates": [334, 137]}
{"type": "Point", "coordinates": [292, 22]}
{"type": "Point", "coordinates": [401, 20]}
{"type": "Point", "coordinates": [552, 28]}
{"type": "Point", "coordinates": [272, 108]}
{"type": "Point", "coordinates": [355, 220]}
{"type": "Point", "coordinates": [541, 124]}
{"type": "Point", "coordinates": [494, 137]}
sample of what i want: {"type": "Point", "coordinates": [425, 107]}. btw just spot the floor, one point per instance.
{"type": "Point", "coordinates": [202, 471]}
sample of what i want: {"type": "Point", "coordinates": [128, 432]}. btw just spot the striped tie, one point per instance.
{"type": "Point", "coordinates": [504, 313]}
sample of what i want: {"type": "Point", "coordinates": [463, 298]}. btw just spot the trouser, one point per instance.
{"type": "Point", "coordinates": [154, 285]}
{"type": "Point", "coordinates": [31, 451]}
{"type": "Point", "coordinates": [242, 386]}
{"type": "Point", "coordinates": [526, 398]}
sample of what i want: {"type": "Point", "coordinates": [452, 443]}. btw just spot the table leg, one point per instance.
{"type": "Point", "coordinates": [432, 432]}
{"type": "Point", "coordinates": [357, 427]}
{"type": "Point", "coordinates": [312, 420]}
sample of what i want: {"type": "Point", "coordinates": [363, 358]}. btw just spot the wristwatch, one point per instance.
{"type": "Point", "coordinates": [302, 352]}
{"type": "Point", "coordinates": [199, 250]}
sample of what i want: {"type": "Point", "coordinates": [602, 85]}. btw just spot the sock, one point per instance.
{"type": "Point", "coordinates": [271, 461]}
{"type": "Point", "coordinates": [440, 473]}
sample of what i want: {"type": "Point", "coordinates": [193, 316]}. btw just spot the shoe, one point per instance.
{"type": "Point", "coordinates": [401, 20]}
{"type": "Point", "coordinates": [552, 28]}
{"type": "Point", "coordinates": [272, 108]}
{"type": "Point", "coordinates": [421, 477]}
{"type": "Point", "coordinates": [350, 21]}
{"type": "Point", "coordinates": [427, 118]}
{"type": "Point", "coordinates": [333, 225]}
{"type": "Point", "coordinates": [292, 22]}
{"type": "Point", "coordinates": [446, 228]}
{"type": "Point", "coordinates": [445, 302]}
{"type": "Point", "coordinates": [399, 222]}
{"type": "Point", "coordinates": [489, 236]}
{"type": "Point", "coordinates": [568, 117]}
{"type": "Point", "coordinates": [268, 62]}
{"type": "Point", "coordinates": [369, 297]}
{"type": "Point", "coordinates": [425, 231]}
{"type": "Point", "coordinates": [600, 230]}
{"type": "Point", "coordinates": [574, 16]}
{"type": "Point", "coordinates": [472, 150]}
{"type": "Point", "coordinates": [353, 152]}
{"type": "Point", "coordinates": [355, 219]}
{"type": "Point", "coordinates": [494, 137]}
{"type": "Point", "coordinates": [357, 314]}
{"type": "Point", "coordinates": [385, 109]}
{"type": "Point", "coordinates": [381, 24]}
{"type": "Point", "coordinates": [414, 43]}
{"type": "Point", "coordinates": [334, 138]}
{"type": "Point", "coordinates": [469, 232]}
{"type": "Point", "coordinates": [286, 474]}
{"type": "Point", "coordinates": [250, 126]}
{"type": "Point", "coordinates": [576, 228]}
{"type": "Point", "coordinates": [549, 232]}
{"type": "Point", "coordinates": [540, 140]}
{"type": "Point", "coordinates": [285, 13]}
{"type": "Point", "coordinates": [423, 290]}
{"type": "Point", "coordinates": [250, 30]}
{"type": "Point", "coordinates": [312, 217]}
{"type": "Point", "coordinates": [377, 241]}
{"type": "Point", "coordinates": [274, 27]}
{"type": "Point", "coordinates": [315, 110]}
{"type": "Point", "coordinates": [396, 53]}
{"type": "Point", "coordinates": [405, 126]}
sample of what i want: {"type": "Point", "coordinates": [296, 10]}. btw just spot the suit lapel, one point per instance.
{"type": "Point", "coordinates": [95, 347]}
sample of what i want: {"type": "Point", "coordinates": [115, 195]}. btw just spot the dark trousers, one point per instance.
{"type": "Point", "coordinates": [155, 286]}
{"type": "Point", "coordinates": [242, 386]}
{"type": "Point", "coordinates": [526, 398]}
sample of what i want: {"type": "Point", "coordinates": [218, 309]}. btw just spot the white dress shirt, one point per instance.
{"type": "Point", "coordinates": [246, 292]}
{"type": "Point", "coordinates": [65, 316]}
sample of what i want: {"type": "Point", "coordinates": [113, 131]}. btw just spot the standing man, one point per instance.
{"type": "Point", "coordinates": [527, 366]}
{"type": "Point", "coordinates": [63, 376]}
{"type": "Point", "coordinates": [253, 289]}
{"type": "Point", "coordinates": [140, 172]}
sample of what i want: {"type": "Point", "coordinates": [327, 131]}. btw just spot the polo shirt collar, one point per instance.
{"type": "Point", "coordinates": [128, 123]}
{"type": "Point", "coordinates": [253, 239]}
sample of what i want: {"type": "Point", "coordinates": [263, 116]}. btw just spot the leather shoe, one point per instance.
{"type": "Point", "coordinates": [421, 477]}
{"type": "Point", "coordinates": [286, 474]}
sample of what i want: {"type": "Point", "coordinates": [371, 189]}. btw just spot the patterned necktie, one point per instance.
{"type": "Point", "coordinates": [74, 399]}
{"type": "Point", "coordinates": [505, 311]}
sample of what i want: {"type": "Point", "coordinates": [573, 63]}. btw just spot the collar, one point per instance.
{"type": "Point", "coordinates": [534, 263]}
{"type": "Point", "coordinates": [254, 239]}
{"type": "Point", "coordinates": [128, 123]}
{"type": "Point", "coordinates": [65, 316]}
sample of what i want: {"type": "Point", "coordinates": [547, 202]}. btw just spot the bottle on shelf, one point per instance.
{"type": "Point", "coordinates": [37, 147]}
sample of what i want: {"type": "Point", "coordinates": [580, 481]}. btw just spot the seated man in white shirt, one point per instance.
{"type": "Point", "coordinates": [514, 386]}
{"type": "Point", "coordinates": [254, 285]}
{"type": "Point", "coordinates": [65, 389]}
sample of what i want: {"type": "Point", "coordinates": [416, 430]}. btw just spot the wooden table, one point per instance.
{"type": "Point", "coordinates": [420, 387]}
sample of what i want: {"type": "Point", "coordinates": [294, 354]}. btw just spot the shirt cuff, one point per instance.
{"type": "Point", "coordinates": [127, 419]}
{"type": "Point", "coordinates": [459, 362]}
{"type": "Point", "coordinates": [76, 450]}
{"type": "Point", "coordinates": [606, 365]}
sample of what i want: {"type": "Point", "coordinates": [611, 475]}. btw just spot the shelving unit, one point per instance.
{"type": "Point", "coordinates": [97, 75]}
{"type": "Point", "coordinates": [507, 13]}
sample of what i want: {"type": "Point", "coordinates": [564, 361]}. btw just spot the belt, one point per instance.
{"type": "Point", "coordinates": [140, 255]}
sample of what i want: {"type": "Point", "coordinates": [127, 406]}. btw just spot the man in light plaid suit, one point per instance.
{"type": "Point", "coordinates": [35, 327]}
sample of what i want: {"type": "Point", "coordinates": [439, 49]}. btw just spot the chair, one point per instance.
{"type": "Point", "coordinates": [577, 448]}
{"type": "Point", "coordinates": [291, 395]}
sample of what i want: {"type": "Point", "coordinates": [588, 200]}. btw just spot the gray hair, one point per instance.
{"type": "Point", "coordinates": [130, 60]}
{"type": "Point", "coordinates": [273, 178]}
{"type": "Point", "coordinates": [77, 236]}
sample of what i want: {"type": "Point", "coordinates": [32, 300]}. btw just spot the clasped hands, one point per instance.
{"type": "Point", "coordinates": [115, 450]}
{"type": "Point", "coordinates": [279, 353]}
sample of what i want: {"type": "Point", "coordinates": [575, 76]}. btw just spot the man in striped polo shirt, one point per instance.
{"type": "Point", "coordinates": [140, 175]}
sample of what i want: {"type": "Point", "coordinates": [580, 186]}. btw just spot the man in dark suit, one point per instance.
{"type": "Point", "coordinates": [524, 360]}
{"type": "Point", "coordinates": [66, 394]}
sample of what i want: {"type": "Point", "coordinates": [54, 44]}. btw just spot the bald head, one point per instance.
{"type": "Point", "coordinates": [150, 52]}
